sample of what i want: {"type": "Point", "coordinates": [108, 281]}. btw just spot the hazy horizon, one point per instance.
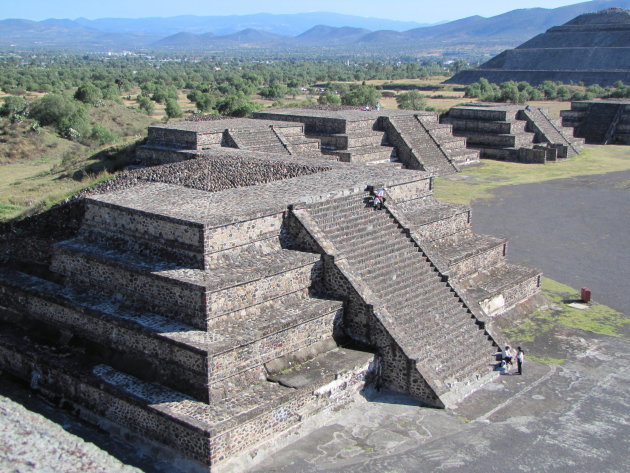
{"type": "Point", "coordinates": [402, 10]}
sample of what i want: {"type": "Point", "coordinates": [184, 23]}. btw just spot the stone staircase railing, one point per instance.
{"type": "Point", "coordinates": [542, 123]}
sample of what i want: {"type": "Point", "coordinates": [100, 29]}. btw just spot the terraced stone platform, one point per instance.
{"type": "Point", "coordinates": [413, 139]}
{"type": "Point", "coordinates": [210, 305]}
{"type": "Point", "coordinates": [513, 132]}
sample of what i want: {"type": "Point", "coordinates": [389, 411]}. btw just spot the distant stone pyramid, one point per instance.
{"type": "Point", "coordinates": [593, 48]}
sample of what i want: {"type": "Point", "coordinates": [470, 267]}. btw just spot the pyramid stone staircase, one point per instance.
{"type": "Point", "coordinates": [549, 130]}
{"type": "Point", "coordinates": [448, 352]}
{"type": "Point", "coordinates": [370, 137]}
{"type": "Point", "coordinates": [259, 139]}
{"type": "Point", "coordinates": [421, 146]}
{"type": "Point", "coordinates": [194, 341]}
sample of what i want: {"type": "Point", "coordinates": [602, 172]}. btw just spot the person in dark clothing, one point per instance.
{"type": "Point", "coordinates": [520, 357]}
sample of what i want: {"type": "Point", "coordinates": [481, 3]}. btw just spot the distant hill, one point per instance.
{"type": "Point", "coordinates": [286, 25]}
{"type": "Point", "coordinates": [64, 34]}
{"type": "Point", "coordinates": [474, 35]}
{"type": "Point", "coordinates": [322, 34]}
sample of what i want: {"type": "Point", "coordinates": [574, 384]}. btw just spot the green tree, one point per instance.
{"type": "Point", "coordinates": [275, 90]}
{"type": "Point", "coordinates": [145, 104]}
{"type": "Point", "coordinates": [236, 105]}
{"type": "Point", "coordinates": [68, 116]}
{"type": "Point", "coordinates": [88, 93]}
{"type": "Point", "coordinates": [102, 135]}
{"type": "Point", "coordinates": [329, 98]}
{"type": "Point", "coordinates": [359, 95]}
{"type": "Point", "coordinates": [173, 109]}
{"type": "Point", "coordinates": [13, 106]}
{"type": "Point", "coordinates": [412, 100]}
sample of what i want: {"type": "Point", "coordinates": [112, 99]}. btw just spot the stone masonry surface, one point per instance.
{"type": "Point", "coordinates": [211, 305]}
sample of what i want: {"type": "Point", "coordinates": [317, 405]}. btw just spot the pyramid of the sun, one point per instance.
{"type": "Point", "coordinates": [593, 48]}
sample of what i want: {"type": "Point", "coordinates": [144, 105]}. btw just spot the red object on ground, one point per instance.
{"type": "Point", "coordinates": [586, 294]}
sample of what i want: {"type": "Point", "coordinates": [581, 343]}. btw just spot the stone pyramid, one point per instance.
{"type": "Point", "coordinates": [593, 48]}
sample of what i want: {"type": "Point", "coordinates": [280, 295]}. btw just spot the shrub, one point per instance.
{"type": "Point", "coordinates": [12, 106]}
{"type": "Point", "coordinates": [173, 109]}
{"type": "Point", "coordinates": [68, 116]}
{"type": "Point", "coordinates": [88, 93]}
{"type": "Point", "coordinates": [412, 100]}
{"type": "Point", "coordinates": [102, 135]}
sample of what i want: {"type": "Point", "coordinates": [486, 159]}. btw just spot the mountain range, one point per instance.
{"type": "Point", "coordinates": [302, 32]}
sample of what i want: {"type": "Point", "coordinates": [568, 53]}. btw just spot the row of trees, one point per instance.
{"type": "Point", "coordinates": [521, 92]}
{"type": "Point", "coordinates": [272, 78]}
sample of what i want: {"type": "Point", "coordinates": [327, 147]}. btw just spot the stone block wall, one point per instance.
{"type": "Point", "coordinates": [179, 299]}
{"type": "Point", "coordinates": [172, 138]}
{"type": "Point", "coordinates": [240, 358]}
{"type": "Point", "coordinates": [312, 124]}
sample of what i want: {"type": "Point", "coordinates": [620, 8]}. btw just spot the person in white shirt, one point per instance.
{"type": "Point", "coordinates": [506, 357]}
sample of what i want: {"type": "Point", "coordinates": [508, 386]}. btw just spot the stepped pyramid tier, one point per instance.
{"type": "Point", "coordinates": [241, 133]}
{"type": "Point", "coordinates": [513, 132]}
{"type": "Point", "coordinates": [411, 139]}
{"type": "Point", "coordinates": [593, 48]}
{"type": "Point", "coordinates": [208, 306]}
{"type": "Point", "coordinates": [600, 121]}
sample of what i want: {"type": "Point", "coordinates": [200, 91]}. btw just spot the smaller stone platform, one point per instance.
{"type": "Point", "coordinates": [513, 132]}
{"type": "Point", "coordinates": [600, 121]}
{"type": "Point", "coordinates": [415, 139]}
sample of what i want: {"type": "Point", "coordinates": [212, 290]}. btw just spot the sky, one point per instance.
{"type": "Point", "coordinates": [421, 11]}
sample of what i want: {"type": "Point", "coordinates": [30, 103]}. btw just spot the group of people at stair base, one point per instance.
{"type": "Point", "coordinates": [507, 357]}
{"type": "Point", "coordinates": [379, 199]}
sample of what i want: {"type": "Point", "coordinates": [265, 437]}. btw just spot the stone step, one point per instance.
{"type": "Point", "coordinates": [362, 256]}
{"type": "Point", "coordinates": [452, 143]}
{"type": "Point", "coordinates": [421, 298]}
{"type": "Point", "coordinates": [156, 348]}
{"type": "Point", "coordinates": [342, 220]}
{"type": "Point", "coordinates": [185, 294]}
{"type": "Point", "coordinates": [467, 252]}
{"type": "Point", "coordinates": [187, 426]}
{"type": "Point", "coordinates": [502, 287]}
{"type": "Point", "coordinates": [464, 156]}
{"type": "Point", "coordinates": [372, 242]}
{"type": "Point", "coordinates": [411, 293]}
{"type": "Point", "coordinates": [269, 148]}
{"type": "Point", "coordinates": [439, 130]}
{"type": "Point", "coordinates": [366, 154]}
{"type": "Point", "coordinates": [254, 137]}
{"type": "Point", "coordinates": [500, 141]}
{"type": "Point", "coordinates": [370, 263]}
{"type": "Point", "coordinates": [170, 238]}
{"type": "Point", "coordinates": [150, 345]}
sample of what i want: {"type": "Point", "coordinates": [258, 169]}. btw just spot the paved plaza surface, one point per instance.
{"type": "Point", "coordinates": [573, 417]}
{"type": "Point", "coordinates": [576, 230]}
{"type": "Point", "coordinates": [570, 416]}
